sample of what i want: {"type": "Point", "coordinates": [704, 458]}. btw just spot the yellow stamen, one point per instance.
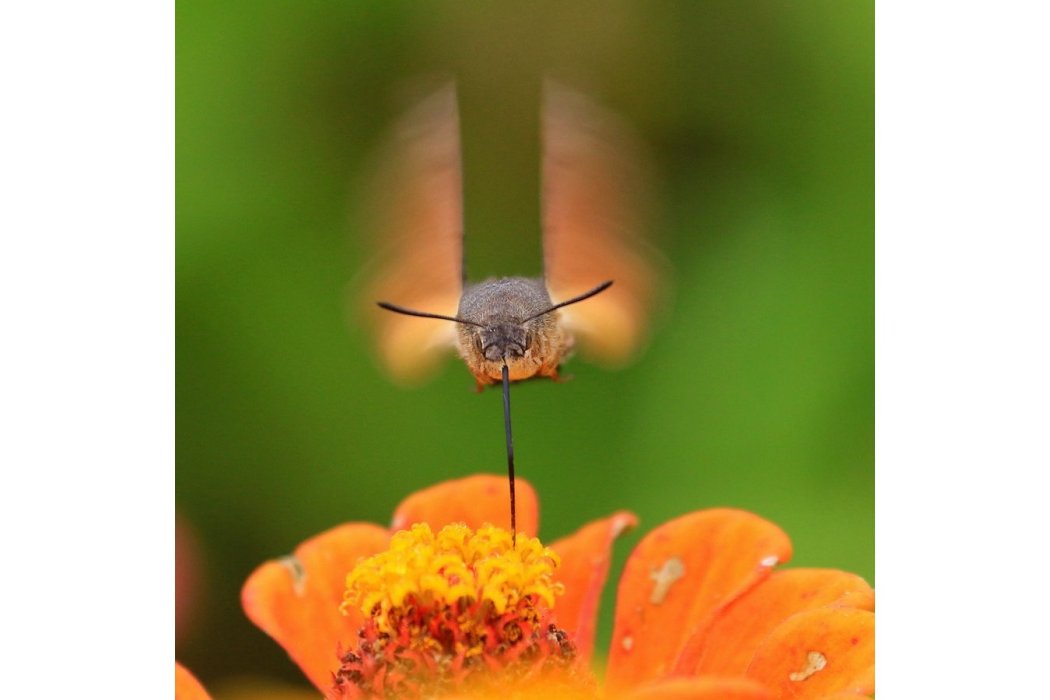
{"type": "Point", "coordinates": [453, 566]}
{"type": "Point", "coordinates": [455, 610]}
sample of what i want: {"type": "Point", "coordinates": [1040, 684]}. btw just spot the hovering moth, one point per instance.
{"type": "Point", "coordinates": [599, 279]}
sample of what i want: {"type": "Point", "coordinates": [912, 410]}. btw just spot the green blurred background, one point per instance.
{"type": "Point", "coordinates": [757, 390]}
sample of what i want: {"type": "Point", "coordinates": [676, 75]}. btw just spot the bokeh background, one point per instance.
{"type": "Point", "coordinates": [756, 391]}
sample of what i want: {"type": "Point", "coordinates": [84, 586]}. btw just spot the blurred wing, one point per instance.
{"type": "Point", "coordinates": [594, 202]}
{"type": "Point", "coordinates": [416, 207]}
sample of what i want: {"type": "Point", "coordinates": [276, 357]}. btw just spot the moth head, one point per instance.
{"type": "Point", "coordinates": [504, 341]}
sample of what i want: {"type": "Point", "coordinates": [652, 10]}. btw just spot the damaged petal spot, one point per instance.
{"type": "Point", "coordinates": [627, 643]}
{"type": "Point", "coordinates": [815, 661]}
{"type": "Point", "coordinates": [672, 570]}
{"type": "Point", "coordinates": [295, 568]}
{"type": "Point", "coordinates": [770, 561]}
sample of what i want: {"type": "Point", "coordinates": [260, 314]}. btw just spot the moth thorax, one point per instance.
{"type": "Point", "coordinates": [503, 300]}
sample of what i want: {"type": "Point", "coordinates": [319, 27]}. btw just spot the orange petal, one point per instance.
{"type": "Point", "coordinates": [585, 557]}
{"type": "Point", "coordinates": [727, 647]}
{"type": "Point", "coordinates": [257, 688]}
{"type": "Point", "coordinates": [702, 688]}
{"type": "Point", "coordinates": [680, 577]}
{"type": "Point", "coordinates": [187, 687]}
{"type": "Point", "coordinates": [474, 500]}
{"type": "Point", "coordinates": [533, 689]}
{"type": "Point", "coordinates": [818, 653]}
{"type": "Point", "coordinates": [296, 599]}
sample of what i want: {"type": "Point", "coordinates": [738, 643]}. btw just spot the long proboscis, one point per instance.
{"type": "Point", "coordinates": [510, 454]}
{"type": "Point", "coordinates": [506, 380]}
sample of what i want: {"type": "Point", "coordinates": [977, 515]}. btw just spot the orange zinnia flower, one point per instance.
{"type": "Point", "coordinates": [366, 611]}
{"type": "Point", "coordinates": [187, 687]}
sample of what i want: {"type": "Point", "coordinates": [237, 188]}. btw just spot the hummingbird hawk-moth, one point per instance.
{"type": "Point", "coordinates": [599, 280]}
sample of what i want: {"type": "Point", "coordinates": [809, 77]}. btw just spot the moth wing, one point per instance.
{"type": "Point", "coordinates": [595, 208]}
{"type": "Point", "coordinates": [414, 208]}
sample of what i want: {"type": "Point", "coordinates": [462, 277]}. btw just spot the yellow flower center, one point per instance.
{"type": "Point", "coordinates": [454, 611]}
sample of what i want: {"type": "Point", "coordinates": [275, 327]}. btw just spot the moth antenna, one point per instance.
{"type": "Point", "coordinates": [586, 295]}
{"type": "Point", "coordinates": [510, 453]}
{"type": "Point", "coordinates": [424, 314]}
